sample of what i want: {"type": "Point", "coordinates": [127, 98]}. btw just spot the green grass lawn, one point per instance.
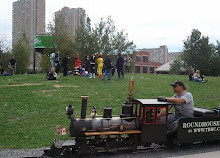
{"type": "Point", "coordinates": [31, 106]}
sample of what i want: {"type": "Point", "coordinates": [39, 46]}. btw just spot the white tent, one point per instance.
{"type": "Point", "coordinates": [165, 68]}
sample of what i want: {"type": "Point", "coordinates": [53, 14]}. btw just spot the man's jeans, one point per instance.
{"type": "Point", "coordinates": [109, 74]}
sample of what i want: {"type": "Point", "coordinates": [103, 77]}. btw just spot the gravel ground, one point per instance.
{"type": "Point", "coordinates": [191, 151]}
{"type": "Point", "coordinates": [18, 153]}
{"type": "Point", "coordinates": [200, 150]}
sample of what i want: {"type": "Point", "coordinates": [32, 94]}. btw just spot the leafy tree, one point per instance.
{"type": "Point", "coordinates": [4, 58]}
{"type": "Point", "coordinates": [103, 38]}
{"type": "Point", "coordinates": [215, 61]}
{"type": "Point", "coordinates": [63, 41]}
{"type": "Point", "coordinates": [198, 52]}
{"type": "Point", "coordinates": [85, 41]}
{"type": "Point", "coordinates": [176, 66]}
{"type": "Point", "coordinates": [110, 40]}
{"type": "Point", "coordinates": [218, 48]}
{"type": "Point", "coordinates": [132, 56]}
{"type": "Point", "coordinates": [5, 51]}
{"type": "Point", "coordinates": [45, 62]}
{"type": "Point", "coordinates": [3, 44]}
{"type": "Point", "coordinates": [22, 52]}
{"type": "Point", "coordinates": [104, 34]}
{"type": "Point", "coordinates": [121, 42]}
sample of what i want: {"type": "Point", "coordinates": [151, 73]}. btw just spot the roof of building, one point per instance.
{"type": "Point", "coordinates": [164, 67]}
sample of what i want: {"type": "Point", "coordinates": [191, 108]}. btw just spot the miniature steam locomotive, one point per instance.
{"type": "Point", "coordinates": [136, 126]}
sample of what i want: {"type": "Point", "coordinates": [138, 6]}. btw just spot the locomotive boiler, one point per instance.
{"type": "Point", "coordinates": [81, 126]}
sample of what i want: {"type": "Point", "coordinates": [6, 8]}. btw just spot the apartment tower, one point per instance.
{"type": "Point", "coordinates": [72, 17]}
{"type": "Point", "coordinates": [28, 18]}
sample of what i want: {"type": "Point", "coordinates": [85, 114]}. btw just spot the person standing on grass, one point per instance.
{"type": "Point", "coordinates": [92, 66]}
{"type": "Point", "coordinates": [65, 64]}
{"type": "Point", "coordinates": [87, 63]}
{"type": "Point", "coordinates": [119, 65]}
{"type": "Point", "coordinates": [108, 67]}
{"type": "Point", "coordinates": [100, 65]}
{"type": "Point", "coordinates": [184, 106]}
{"type": "Point", "coordinates": [57, 62]}
{"type": "Point", "coordinates": [12, 63]}
{"type": "Point", "coordinates": [127, 63]}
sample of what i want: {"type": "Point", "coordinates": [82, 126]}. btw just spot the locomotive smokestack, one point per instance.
{"type": "Point", "coordinates": [130, 90]}
{"type": "Point", "coordinates": [84, 106]}
{"type": "Point", "coordinates": [131, 85]}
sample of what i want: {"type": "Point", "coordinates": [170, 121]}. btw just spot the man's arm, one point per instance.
{"type": "Point", "coordinates": [176, 100]}
{"type": "Point", "coordinates": [162, 113]}
{"type": "Point", "coordinates": [172, 99]}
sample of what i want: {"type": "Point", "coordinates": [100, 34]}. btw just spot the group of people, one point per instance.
{"type": "Point", "coordinates": [196, 76]}
{"type": "Point", "coordinates": [11, 69]}
{"type": "Point", "coordinates": [105, 66]}
{"type": "Point", "coordinates": [52, 73]}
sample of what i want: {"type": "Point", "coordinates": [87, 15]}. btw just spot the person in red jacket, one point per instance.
{"type": "Point", "coordinates": [77, 63]}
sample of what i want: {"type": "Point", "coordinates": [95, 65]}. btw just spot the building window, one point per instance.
{"type": "Point", "coordinates": [144, 69]}
{"type": "Point", "coordinates": [145, 59]}
{"type": "Point", "coordinates": [137, 69]}
{"type": "Point", "coordinates": [138, 58]}
{"type": "Point", "coordinates": [151, 69]}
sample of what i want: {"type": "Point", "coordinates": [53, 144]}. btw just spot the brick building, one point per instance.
{"type": "Point", "coordinates": [143, 63]}
{"type": "Point", "coordinates": [147, 60]}
{"type": "Point", "coordinates": [173, 55]}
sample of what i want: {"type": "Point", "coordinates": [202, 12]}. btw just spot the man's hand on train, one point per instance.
{"type": "Point", "coordinates": [162, 98]}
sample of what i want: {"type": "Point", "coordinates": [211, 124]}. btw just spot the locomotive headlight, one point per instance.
{"type": "Point", "coordinates": [69, 111]}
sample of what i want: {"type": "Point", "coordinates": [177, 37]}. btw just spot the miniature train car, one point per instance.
{"type": "Point", "coordinates": [136, 126]}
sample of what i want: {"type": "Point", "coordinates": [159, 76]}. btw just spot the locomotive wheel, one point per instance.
{"type": "Point", "coordinates": [68, 153]}
{"type": "Point", "coordinates": [170, 145]}
{"type": "Point", "coordinates": [84, 151]}
{"type": "Point", "coordinates": [171, 141]}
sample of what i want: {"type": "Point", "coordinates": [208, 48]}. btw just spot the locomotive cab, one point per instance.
{"type": "Point", "coordinates": [152, 130]}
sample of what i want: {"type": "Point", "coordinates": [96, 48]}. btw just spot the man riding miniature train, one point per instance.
{"type": "Point", "coordinates": [184, 106]}
{"type": "Point", "coordinates": [140, 127]}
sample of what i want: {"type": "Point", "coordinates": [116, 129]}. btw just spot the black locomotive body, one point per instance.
{"type": "Point", "coordinates": [136, 126]}
{"type": "Point", "coordinates": [79, 127]}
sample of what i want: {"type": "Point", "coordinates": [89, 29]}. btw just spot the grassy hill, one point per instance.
{"type": "Point", "coordinates": [31, 106]}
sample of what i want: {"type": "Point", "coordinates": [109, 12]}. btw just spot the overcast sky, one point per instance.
{"type": "Point", "coordinates": [149, 23]}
